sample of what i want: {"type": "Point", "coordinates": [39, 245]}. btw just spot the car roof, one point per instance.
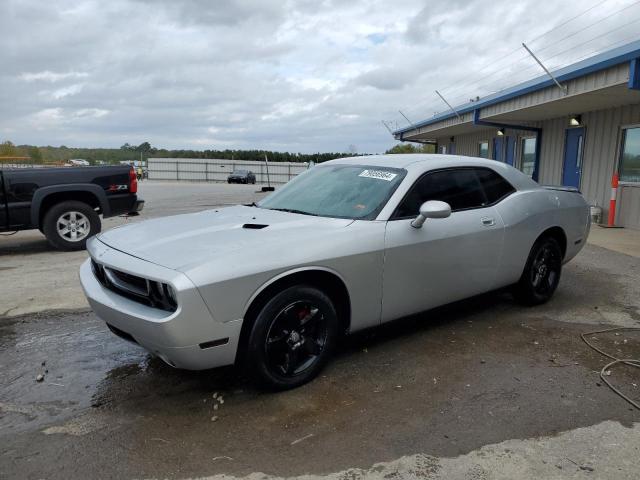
{"type": "Point", "coordinates": [432, 161]}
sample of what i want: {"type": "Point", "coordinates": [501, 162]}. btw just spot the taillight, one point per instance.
{"type": "Point", "coordinates": [133, 181]}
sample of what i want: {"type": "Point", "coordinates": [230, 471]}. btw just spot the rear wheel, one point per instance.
{"type": "Point", "coordinates": [292, 338]}
{"type": "Point", "coordinates": [541, 274]}
{"type": "Point", "coordinates": [68, 225]}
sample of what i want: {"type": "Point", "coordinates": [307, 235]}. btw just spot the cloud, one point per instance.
{"type": "Point", "coordinates": [52, 77]}
{"type": "Point", "coordinates": [66, 91]}
{"type": "Point", "coordinates": [303, 75]}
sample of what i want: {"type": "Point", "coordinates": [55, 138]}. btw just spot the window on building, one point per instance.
{"type": "Point", "coordinates": [528, 156]}
{"type": "Point", "coordinates": [630, 155]}
{"type": "Point", "coordinates": [483, 149]}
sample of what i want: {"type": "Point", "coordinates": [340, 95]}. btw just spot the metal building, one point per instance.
{"type": "Point", "coordinates": [578, 133]}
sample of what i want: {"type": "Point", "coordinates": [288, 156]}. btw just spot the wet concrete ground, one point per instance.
{"type": "Point", "coordinates": [444, 383]}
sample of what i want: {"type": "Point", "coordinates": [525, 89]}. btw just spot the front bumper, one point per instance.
{"type": "Point", "coordinates": [188, 338]}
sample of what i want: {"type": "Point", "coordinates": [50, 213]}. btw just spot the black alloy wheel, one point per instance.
{"type": "Point", "coordinates": [296, 338]}
{"type": "Point", "coordinates": [541, 274]}
{"type": "Point", "coordinates": [292, 338]}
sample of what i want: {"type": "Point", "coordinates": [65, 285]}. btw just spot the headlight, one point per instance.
{"type": "Point", "coordinates": [162, 295]}
{"type": "Point", "coordinates": [171, 294]}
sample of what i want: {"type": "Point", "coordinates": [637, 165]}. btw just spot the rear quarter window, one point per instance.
{"type": "Point", "coordinates": [495, 187]}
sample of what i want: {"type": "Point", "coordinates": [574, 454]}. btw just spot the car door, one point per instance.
{"type": "Point", "coordinates": [447, 259]}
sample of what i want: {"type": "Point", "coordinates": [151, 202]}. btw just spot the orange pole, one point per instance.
{"type": "Point", "coordinates": [612, 202]}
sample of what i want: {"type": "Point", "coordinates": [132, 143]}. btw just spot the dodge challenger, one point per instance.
{"type": "Point", "coordinates": [349, 244]}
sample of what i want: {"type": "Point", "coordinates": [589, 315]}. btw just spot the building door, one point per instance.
{"type": "Point", "coordinates": [511, 150]}
{"type": "Point", "coordinates": [573, 146]}
{"type": "Point", "coordinates": [452, 148]}
{"type": "Point", "coordinates": [498, 151]}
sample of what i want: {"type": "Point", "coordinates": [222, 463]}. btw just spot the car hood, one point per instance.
{"type": "Point", "coordinates": [183, 241]}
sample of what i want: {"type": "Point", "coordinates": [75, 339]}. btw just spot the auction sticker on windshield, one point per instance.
{"type": "Point", "coordinates": [379, 174]}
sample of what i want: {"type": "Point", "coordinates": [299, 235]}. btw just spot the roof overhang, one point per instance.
{"type": "Point", "coordinates": [604, 81]}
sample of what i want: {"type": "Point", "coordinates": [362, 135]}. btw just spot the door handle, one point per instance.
{"type": "Point", "coordinates": [488, 221]}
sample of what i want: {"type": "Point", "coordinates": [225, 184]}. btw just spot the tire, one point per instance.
{"type": "Point", "coordinates": [289, 344]}
{"type": "Point", "coordinates": [541, 273]}
{"type": "Point", "coordinates": [79, 219]}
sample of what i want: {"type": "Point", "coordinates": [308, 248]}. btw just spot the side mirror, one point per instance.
{"type": "Point", "coordinates": [431, 209]}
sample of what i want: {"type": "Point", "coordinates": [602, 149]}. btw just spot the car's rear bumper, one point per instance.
{"type": "Point", "coordinates": [139, 205]}
{"type": "Point", "coordinates": [137, 208]}
{"type": "Point", "coordinates": [122, 204]}
{"type": "Point", "coordinates": [188, 338]}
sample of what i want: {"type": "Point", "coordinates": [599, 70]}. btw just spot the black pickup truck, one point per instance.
{"type": "Point", "coordinates": [65, 203]}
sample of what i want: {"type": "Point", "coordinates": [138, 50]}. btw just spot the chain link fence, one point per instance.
{"type": "Point", "coordinates": [217, 170]}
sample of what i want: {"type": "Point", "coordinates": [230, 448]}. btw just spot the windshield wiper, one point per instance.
{"type": "Point", "coordinates": [293, 210]}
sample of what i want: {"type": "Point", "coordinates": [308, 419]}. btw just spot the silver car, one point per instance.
{"type": "Point", "coordinates": [349, 244]}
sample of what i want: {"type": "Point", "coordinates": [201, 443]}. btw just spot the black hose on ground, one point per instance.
{"type": "Point", "coordinates": [626, 361]}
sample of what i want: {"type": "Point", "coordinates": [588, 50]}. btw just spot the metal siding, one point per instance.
{"type": "Point", "coordinates": [467, 144]}
{"type": "Point", "coordinates": [466, 118]}
{"type": "Point", "coordinates": [629, 213]}
{"type": "Point", "coordinates": [616, 75]}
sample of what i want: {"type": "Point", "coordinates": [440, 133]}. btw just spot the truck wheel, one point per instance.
{"type": "Point", "coordinates": [292, 338]}
{"type": "Point", "coordinates": [541, 273]}
{"type": "Point", "coordinates": [68, 225]}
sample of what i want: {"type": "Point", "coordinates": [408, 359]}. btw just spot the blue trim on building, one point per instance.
{"type": "Point", "coordinates": [538, 131]}
{"type": "Point", "coordinates": [634, 74]}
{"type": "Point", "coordinates": [616, 56]}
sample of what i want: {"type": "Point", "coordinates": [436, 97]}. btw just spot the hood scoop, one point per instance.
{"type": "Point", "coordinates": [254, 226]}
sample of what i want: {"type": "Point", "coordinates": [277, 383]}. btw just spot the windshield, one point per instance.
{"type": "Point", "coordinates": [340, 191]}
{"type": "Point", "coordinates": [239, 172]}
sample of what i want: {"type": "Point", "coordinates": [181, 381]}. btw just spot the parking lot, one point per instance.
{"type": "Point", "coordinates": [465, 391]}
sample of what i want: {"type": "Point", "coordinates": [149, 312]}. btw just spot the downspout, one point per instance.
{"type": "Point", "coordinates": [538, 131]}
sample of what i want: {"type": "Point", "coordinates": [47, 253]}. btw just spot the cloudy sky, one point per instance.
{"type": "Point", "coordinates": [303, 76]}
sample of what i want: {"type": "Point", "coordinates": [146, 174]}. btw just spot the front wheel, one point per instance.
{"type": "Point", "coordinates": [292, 338]}
{"type": "Point", "coordinates": [68, 225]}
{"type": "Point", "coordinates": [541, 274]}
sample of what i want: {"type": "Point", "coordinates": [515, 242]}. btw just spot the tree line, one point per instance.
{"type": "Point", "coordinates": [127, 152]}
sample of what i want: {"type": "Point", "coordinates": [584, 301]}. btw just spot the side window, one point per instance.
{"type": "Point", "coordinates": [459, 188]}
{"type": "Point", "coordinates": [495, 187]}
{"type": "Point", "coordinates": [483, 149]}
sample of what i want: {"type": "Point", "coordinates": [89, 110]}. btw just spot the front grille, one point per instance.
{"type": "Point", "coordinates": [139, 289]}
